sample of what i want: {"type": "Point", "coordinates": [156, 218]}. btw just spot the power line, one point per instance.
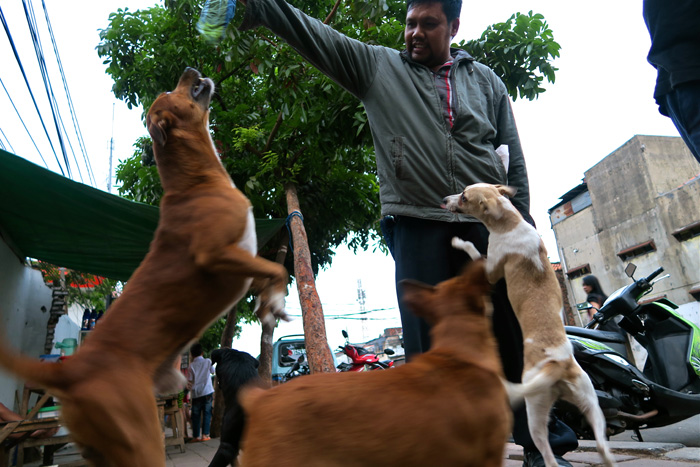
{"type": "Point", "coordinates": [356, 315]}
{"type": "Point", "coordinates": [71, 108]}
{"type": "Point", "coordinates": [26, 81]}
{"type": "Point", "coordinates": [25, 126]}
{"type": "Point", "coordinates": [36, 41]}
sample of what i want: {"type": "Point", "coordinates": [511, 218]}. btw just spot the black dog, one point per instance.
{"type": "Point", "coordinates": [234, 369]}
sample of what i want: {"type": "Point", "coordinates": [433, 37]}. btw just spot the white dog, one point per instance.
{"type": "Point", "coordinates": [516, 252]}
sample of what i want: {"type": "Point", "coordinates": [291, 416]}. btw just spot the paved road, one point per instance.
{"type": "Point", "coordinates": [686, 432]}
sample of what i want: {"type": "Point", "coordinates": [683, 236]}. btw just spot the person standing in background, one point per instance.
{"type": "Point", "coordinates": [594, 294]}
{"type": "Point", "coordinates": [674, 26]}
{"type": "Point", "coordinates": [201, 391]}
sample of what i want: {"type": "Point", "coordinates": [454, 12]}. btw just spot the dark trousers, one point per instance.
{"type": "Point", "coordinates": [201, 415]}
{"type": "Point", "coordinates": [683, 106]}
{"type": "Point", "coordinates": [422, 250]}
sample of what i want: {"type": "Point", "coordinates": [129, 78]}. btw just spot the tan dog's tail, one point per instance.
{"type": "Point", "coordinates": [52, 376]}
{"type": "Point", "coordinates": [551, 372]}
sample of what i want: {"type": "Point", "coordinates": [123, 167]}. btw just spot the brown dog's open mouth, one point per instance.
{"type": "Point", "coordinates": [202, 88]}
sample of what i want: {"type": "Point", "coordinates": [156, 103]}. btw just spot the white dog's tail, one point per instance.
{"type": "Point", "coordinates": [552, 372]}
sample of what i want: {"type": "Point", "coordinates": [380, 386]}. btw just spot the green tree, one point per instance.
{"type": "Point", "coordinates": [276, 120]}
{"type": "Point", "coordinates": [84, 290]}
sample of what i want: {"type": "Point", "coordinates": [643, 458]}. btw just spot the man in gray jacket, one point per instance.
{"type": "Point", "coordinates": [437, 117]}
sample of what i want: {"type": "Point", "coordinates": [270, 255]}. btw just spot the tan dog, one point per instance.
{"type": "Point", "coordinates": [516, 252]}
{"type": "Point", "coordinates": [447, 407]}
{"type": "Point", "coordinates": [201, 261]}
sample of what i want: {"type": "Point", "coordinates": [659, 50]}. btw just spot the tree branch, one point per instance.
{"type": "Point", "coordinates": [332, 13]}
{"type": "Point", "coordinates": [274, 131]}
{"type": "Point", "coordinates": [250, 148]}
{"type": "Point", "coordinates": [296, 156]}
{"type": "Point", "coordinates": [221, 102]}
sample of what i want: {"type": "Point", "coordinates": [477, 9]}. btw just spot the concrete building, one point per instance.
{"type": "Point", "coordinates": [25, 303]}
{"type": "Point", "coordinates": [639, 204]}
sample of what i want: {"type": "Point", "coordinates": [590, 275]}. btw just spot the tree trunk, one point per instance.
{"type": "Point", "coordinates": [268, 328]}
{"type": "Point", "coordinates": [265, 368]}
{"type": "Point", "coordinates": [317, 351]}
{"type": "Point", "coordinates": [217, 413]}
{"type": "Point", "coordinates": [230, 328]}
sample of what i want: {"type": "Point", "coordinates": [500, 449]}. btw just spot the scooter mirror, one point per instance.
{"type": "Point", "coordinates": [630, 269]}
{"type": "Point", "coordinates": [345, 334]}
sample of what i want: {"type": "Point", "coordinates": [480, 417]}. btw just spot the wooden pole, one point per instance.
{"type": "Point", "coordinates": [317, 351]}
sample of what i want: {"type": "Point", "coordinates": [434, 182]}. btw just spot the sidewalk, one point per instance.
{"type": "Point", "coordinates": [627, 453]}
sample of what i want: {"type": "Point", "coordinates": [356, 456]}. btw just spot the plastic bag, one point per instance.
{"type": "Point", "coordinates": [504, 154]}
{"type": "Point", "coordinates": [216, 14]}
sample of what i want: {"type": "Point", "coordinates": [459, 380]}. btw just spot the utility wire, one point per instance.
{"type": "Point", "coordinates": [25, 126]}
{"type": "Point", "coordinates": [26, 81]}
{"type": "Point", "coordinates": [76, 126]}
{"type": "Point", "coordinates": [31, 22]}
{"type": "Point", "coordinates": [354, 315]}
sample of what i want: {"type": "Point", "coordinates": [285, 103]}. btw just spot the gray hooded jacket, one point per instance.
{"type": "Point", "coordinates": [420, 159]}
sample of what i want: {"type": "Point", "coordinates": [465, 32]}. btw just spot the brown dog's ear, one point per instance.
{"type": "Point", "coordinates": [158, 126]}
{"type": "Point", "coordinates": [474, 273]}
{"type": "Point", "coordinates": [414, 294]}
{"type": "Point", "coordinates": [506, 190]}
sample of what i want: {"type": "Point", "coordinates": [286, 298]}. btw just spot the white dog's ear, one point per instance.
{"type": "Point", "coordinates": [506, 190]}
{"type": "Point", "coordinates": [490, 207]}
{"type": "Point", "coordinates": [483, 204]}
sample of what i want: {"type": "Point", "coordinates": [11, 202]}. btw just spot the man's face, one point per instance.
{"type": "Point", "coordinates": [428, 35]}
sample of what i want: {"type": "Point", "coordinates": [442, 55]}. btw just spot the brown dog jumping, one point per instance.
{"type": "Point", "coordinates": [201, 261]}
{"type": "Point", "coordinates": [446, 407]}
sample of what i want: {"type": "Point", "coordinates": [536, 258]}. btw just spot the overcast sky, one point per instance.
{"type": "Point", "coordinates": [602, 97]}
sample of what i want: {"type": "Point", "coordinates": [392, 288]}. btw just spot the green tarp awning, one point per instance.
{"type": "Point", "coordinates": [46, 216]}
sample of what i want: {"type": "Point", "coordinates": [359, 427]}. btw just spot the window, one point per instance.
{"type": "Point", "coordinates": [687, 232]}
{"type": "Point", "coordinates": [579, 271]}
{"type": "Point", "coordinates": [290, 352]}
{"type": "Point", "coordinates": [637, 250]}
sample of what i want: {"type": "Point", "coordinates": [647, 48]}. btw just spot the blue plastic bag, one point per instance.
{"type": "Point", "coordinates": [216, 14]}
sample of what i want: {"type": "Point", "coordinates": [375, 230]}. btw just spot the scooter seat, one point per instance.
{"type": "Point", "coordinates": [600, 336]}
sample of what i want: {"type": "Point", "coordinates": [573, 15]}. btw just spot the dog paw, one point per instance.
{"type": "Point", "coordinates": [467, 247]}
{"type": "Point", "coordinates": [169, 382]}
{"type": "Point", "coordinates": [458, 243]}
{"type": "Point", "coordinates": [270, 308]}
{"type": "Point", "coordinates": [277, 306]}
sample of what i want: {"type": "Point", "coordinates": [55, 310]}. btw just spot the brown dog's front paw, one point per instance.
{"type": "Point", "coordinates": [269, 307]}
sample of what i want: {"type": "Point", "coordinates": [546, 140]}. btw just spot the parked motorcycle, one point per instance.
{"type": "Point", "coordinates": [666, 391]}
{"type": "Point", "coordinates": [299, 368]}
{"type": "Point", "coordinates": [361, 359]}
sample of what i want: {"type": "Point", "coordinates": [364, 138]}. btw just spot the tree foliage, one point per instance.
{"type": "Point", "coordinates": [275, 119]}
{"type": "Point", "coordinates": [520, 51]}
{"type": "Point", "coordinates": [84, 290]}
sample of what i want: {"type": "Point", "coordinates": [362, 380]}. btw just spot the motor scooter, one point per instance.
{"type": "Point", "coordinates": [666, 390]}
{"type": "Point", "coordinates": [361, 359]}
{"type": "Point", "coordinates": [299, 368]}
